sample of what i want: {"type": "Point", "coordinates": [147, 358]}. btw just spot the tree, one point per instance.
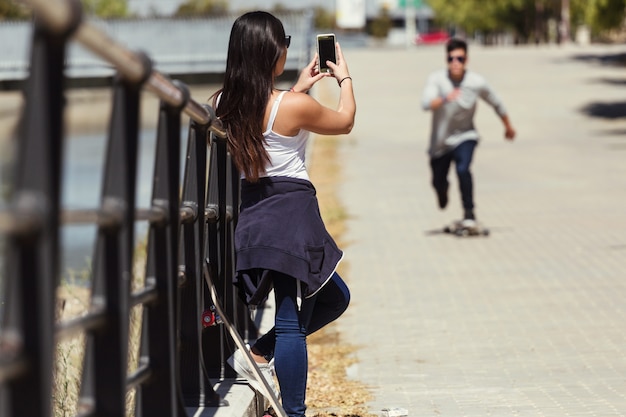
{"type": "Point", "coordinates": [9, 10]}
{"type": "Point", "coordinates": [323, 19]}
{"type": "Point", "coordinates": [381, 25]}
{"type": "Point", "coordinates": [476, 15]}
{"type": "Point", "coordinates": [527, 19]}
{"type": "Point", "coordinates": [602, 15]}
{"type": "Point", "coordinates": [106, 9]}
{"type": "Point", "coordinates": [192, 8]}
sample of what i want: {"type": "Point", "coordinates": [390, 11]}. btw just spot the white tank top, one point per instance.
{"type": "Point", "coordinates": [286, 152]}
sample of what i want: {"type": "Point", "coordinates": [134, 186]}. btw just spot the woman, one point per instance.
{"type": "Point", "coordinates": [281, 241]}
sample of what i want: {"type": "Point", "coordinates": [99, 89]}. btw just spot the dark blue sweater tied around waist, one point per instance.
{"type": "Point", "coordinates": [280, 229]}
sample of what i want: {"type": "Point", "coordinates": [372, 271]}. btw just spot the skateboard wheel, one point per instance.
{"type": "Point", "coordinates": [208, 318]}
{"type": "Point", "coordinates": [461, 232]}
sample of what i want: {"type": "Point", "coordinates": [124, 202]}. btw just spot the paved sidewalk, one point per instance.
{"type": "Point", "coordinates": [530, 321]}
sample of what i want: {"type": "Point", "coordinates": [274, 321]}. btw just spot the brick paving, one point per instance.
{"type": "Point", "coordinates": [530, 321]}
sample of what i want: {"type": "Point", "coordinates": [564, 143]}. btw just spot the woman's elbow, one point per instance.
{"type": "Point", "coordinates": [349, 123]}
{"type": "Point", "coordinates": [348, 127]}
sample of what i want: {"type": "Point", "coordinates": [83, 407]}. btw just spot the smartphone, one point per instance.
{"type": "Point", "coordinates": [326, 51]}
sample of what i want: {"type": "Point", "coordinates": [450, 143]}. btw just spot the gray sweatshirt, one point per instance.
{"type": "Point", "coordinates": [453, 122]}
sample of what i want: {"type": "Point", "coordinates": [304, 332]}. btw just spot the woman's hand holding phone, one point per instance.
{"type": "Point", "coordinates": [309, 76]}
{"type": "Point", "coordinates": [340, 69]}
{"type": "Point", "coordinates": [312, 74]}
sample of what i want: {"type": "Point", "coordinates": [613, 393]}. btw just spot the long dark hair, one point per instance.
{"type": "Point", "coordinates": [257, 41]}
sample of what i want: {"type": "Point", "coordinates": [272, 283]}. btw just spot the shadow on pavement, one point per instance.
{"type": "Point", "coordinates": [618, 82]}
{"type": "Point", "coordinates": [615, 110]}
{"type": "Point", "coordinates": [605, 110]}
{"type": "Point", "coordinates": [614, 132]}
{"type": "Point", "coordinates": [603, 59]}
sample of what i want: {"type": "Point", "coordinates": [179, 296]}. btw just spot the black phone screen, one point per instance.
{"type": "Point", "coordinates": [326, 51]}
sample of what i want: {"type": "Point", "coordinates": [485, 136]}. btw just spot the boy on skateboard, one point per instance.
{"type": "Point", "coordinates": [452, 94]}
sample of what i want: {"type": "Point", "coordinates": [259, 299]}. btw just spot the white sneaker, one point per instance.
{"type": "Point", "coordinates": [240, 365]}
{"type": "Point", "coordinates": [468, 223]}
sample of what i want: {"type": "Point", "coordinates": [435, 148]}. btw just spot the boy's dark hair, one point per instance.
{"type": "Point", "coordinates": [456, 43]}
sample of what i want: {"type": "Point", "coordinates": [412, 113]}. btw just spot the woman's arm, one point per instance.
{"type": "Point", "coordinates": [308, 77]}
{"type": "Point", "coordinates": [307, 113]}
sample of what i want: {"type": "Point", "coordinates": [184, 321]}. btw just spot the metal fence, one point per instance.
{"type": "Point", "coordinates": [190, 239]}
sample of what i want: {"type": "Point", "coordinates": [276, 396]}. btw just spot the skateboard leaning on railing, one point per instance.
{"type": "Point", "coordinates": [276, 409]}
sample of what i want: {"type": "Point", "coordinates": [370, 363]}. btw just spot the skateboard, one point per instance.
{"type": "Point", "coordinates": [276, 409]}
{"type": "Point", "coordinates": [457, 228]}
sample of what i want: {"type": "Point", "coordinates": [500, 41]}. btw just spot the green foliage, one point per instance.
{"type": "Point", "coordinates": [10, 10]}
{"type": "Point", "coordinates": [381, 25]}
{"type": "Point", "coordinates": [577, 10]}
{"type": "Point", "coordinates": [106, 9]}
{"type": "Point", "coordinates": [323, 19]}
{"type": "Point", "coordinates": [279, 8]}
{"type": "Point", "coordinates": [603, 15]}
{"type": "Point", "coordinates": [527, 18]}
{"type": "Point", "coordinates": [487, 17]}
{"type": "Point", "coordinates": [193, 8]}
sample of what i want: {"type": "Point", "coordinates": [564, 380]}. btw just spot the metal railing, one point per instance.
{"type": "Point", "coordinates": [190, 231]}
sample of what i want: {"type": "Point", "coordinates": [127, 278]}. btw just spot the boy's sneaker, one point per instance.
{"type": "Point", "coordinates": [240, 365]}
{"type": "Point", "coordinates": [469, 220]}
{"type": "Point", "coordinates": [468, 223]}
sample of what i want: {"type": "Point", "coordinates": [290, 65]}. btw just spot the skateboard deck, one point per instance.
{"type": "Point", "coordinates": [458, 229]}
{"type": "Point", "coordinates": [276, 407]}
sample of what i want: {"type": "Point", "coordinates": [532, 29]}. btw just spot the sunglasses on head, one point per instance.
{"type": "Point", "coordinates": [287, 41]}
{"type": "Point", "coordinates": [461, 59]}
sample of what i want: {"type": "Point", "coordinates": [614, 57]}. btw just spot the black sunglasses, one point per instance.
{"type": "Point", "coordinates": [287, 41]}
{"type": "Point", "coordinates": [461, 59]}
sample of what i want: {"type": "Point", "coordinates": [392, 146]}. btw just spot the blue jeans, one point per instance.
{"type": "Point", "coordinates": [286, 341]}
{"type": "Point", "coordinates": [462, 157]}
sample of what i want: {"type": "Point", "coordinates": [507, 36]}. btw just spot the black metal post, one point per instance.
{"type": "Point", "coordinates": [33, 253]}
{"type": "Point", "coordinates": [106, 353]}
{"type": "Point", "coordinates": [213, 337]}
{"type": "Point", "coordinates": [160, 395]}
{"type": "Point", "coordinates": [246, 326]}
{"type": "Point", "coordinates": [196, 387]}
{"type": "Point", "coordinates": [225, 266]}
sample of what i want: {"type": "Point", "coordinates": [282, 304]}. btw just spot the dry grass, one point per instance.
{"type": "Point", "coordinates": [329, 391]}
{"type": "Point", "coordinates": [74, 301]}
